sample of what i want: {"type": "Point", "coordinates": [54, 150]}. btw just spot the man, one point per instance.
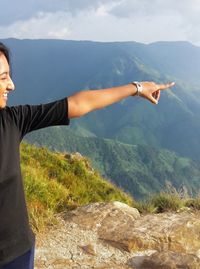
{"type": "Point", "coordinates": [16, 237]}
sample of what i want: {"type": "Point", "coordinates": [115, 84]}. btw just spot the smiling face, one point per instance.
{"type": "Point", "coordinates": [6, 83]}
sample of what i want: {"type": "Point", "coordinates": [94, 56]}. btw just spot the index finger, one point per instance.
{"type": "Point", "coordinates": [165, 86]}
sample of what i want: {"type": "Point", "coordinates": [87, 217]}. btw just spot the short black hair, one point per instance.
{"type": "Point", "coordinates": [4, 50]}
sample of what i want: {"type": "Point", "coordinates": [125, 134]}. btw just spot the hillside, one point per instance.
{"type": "Point", "coordinates": [45, 70]}
{"type": "Point", "coordinates": [140, 170]}
{"type": "Point", "coordinates": [62, 189]}
{"type": "Point", "coordinates": [56, 182]}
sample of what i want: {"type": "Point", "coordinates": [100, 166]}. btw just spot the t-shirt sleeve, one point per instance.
{"type": "Point", "coordinates": [34, 117]}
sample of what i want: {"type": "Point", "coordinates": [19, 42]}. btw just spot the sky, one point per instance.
{"type": "Point", "coordinates": [144, 21]}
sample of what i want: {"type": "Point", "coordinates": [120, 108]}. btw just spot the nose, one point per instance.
{"type": "Point", "coordinates": [11, 85]}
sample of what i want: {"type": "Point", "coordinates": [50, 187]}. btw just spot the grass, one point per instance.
{"type": "Point", "coordinates": [56, 182]}
{"type": "Point", "coordinates": [170, 200]}
{"type": "Point", "coordinates": [193, 203]}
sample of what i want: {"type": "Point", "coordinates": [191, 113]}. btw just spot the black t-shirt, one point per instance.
{"type": "Point", "coordinates": [16, 236]}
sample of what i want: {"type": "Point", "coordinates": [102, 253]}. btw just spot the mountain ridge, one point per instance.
{"type": "Point", "coordinates": [45, 70]}
{"type": "Point", "coordinates": [138, 169]}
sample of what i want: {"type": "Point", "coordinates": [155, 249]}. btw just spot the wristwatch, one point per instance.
{"type": "Point", "coordinates": [138, 86]}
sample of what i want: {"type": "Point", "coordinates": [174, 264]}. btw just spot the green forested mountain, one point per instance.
{"type": "Point", "coordinates": [140, 170]}
{"type": "Point", "coordinates": [44, 70]}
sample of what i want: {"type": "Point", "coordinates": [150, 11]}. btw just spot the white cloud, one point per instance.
{"type": "Point", "coordinates": [107, 20]}
{"type": "Point", "coordinates": [59, 34]}
{"type": "Point", "coordinates": [127, 8]}
{"type": "Point", "coordinates": [102, 11]}
{"type": "Point", "coordinates": [43, 25]}
{"type": "Point", "coordinates": [20, 10]}
{"type": "Point", "coordinates": [105, 9]}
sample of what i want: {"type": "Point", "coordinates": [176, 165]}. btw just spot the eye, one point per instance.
{"type": "Point", "coordinates": [3, 78]}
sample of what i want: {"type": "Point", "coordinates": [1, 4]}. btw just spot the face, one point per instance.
{"type": "Point", "coordinates": [6, 83]}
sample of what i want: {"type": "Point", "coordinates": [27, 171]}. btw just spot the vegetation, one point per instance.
{"type": "Point", "coordinates": [169, 200]}
{"type": "Point", "coordinates": [55, 182]}
{"type": "Point", "coordinates": [140, 170]}
{"type": "Point", "coordinates": [174, 124]}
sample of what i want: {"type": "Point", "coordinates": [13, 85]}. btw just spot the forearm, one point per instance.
{"type": "Point", "coordinates": [84, 102]}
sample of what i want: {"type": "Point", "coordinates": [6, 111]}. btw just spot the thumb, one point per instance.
{"type": "Point", "coordinates": [152, 99]}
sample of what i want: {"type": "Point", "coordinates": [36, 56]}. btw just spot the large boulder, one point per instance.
{"type": "Point", "coordinates": [123, 227]}
{"type": "Point", "coordinates": [167, 231]}
{"type": "Point", "coordinates": [93, 216]}
{"type": "Point", "coordinates": [168, 260]}
{"type": "Point", "coordinates": [115, 236]}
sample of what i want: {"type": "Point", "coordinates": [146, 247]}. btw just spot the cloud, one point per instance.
{"type": "Point", "coordinates": [97, 25]}
{"type": "Point", "coordinates": [102, 20]}
{"type": "Point", "coordinates": [127, 8]}
{"type": "Point", "coordinates": [184, 15]}
{"type": "Point", "coordinates": [13, 10]}
{"type": "Point", "coordinates": [43, 25]}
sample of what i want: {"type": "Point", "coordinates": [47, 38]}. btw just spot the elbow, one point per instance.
{"type": "Point", "coordinates": [76, 109]}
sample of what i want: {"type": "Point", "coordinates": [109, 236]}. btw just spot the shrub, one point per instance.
{"type": "Point", "coordinates": [193, 203]}
{"type": "Point", "coordinates": [167, 202]}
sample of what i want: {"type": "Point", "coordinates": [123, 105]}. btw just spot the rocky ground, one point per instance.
{"type": "Point", "coordinates": [114, 236]}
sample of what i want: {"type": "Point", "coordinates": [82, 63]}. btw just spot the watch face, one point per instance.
{"type": "Point", "coordinates": [139, 88]}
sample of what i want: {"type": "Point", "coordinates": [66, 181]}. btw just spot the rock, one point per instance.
{"type": "Point", "coordinates": [53, 263]}
{"type": "Point", "coordinates": [94, 215]}
{"type": "Point", "coordinates": [89, 249]}
{"type": "Point", "coordinates": [170, 260]}
{"type": "Point", "coordinates": [124, 228]}
{"type": "Point", "coordinates": [167, 231]}
{"type": "Point", "coordinates": [114, 235]}
{"type": "Point", "coordinates": [113, 266]}
{"type": "Point", "coordinates": [68, 244]}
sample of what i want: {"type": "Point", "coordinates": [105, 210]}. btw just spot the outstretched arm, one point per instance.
{"type": "Point", "coordinates": [84, 102]}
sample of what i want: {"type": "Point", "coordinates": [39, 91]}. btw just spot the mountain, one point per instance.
{"type": "Point", "coordinates": [138, 169]}
{"type": "Point", "coordinates": [45, 70]}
